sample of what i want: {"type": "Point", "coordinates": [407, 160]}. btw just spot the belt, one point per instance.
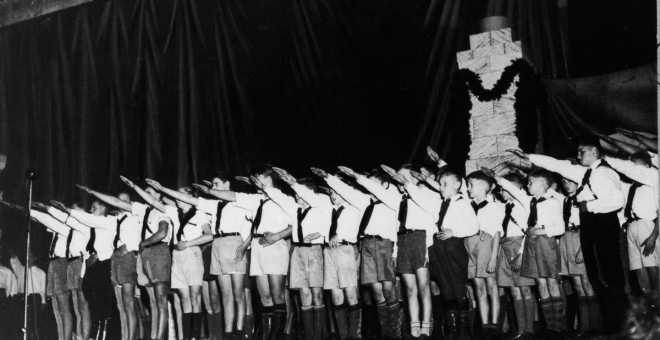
{"type": "Point", "coordinates": [155, 244]}
{"type": "Point", "coordinates": [377, 237]}
{"type": "Point", "coordinates": [71, 259]}
{"type": "Point", "coordinates": [55, 258]}
{"type": "Point", "coordinates": [258, 235]}
{"type": "Point", "coordinates": [298, 244]}
{"type": "Point", "coordinates": [346, 243]}
{"type": "Point", "coordinates": [121, 251]}
{"type": "Point", "coordinates": [227, 235]}
{"type": "Point", "coordinates": [410, 231]}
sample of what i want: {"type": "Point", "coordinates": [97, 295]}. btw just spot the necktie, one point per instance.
{"type": "Point", "coordinates": [444, 207]}
{"type": "Point", "coordinates": [257, 217]}
{"type": "Point", "coordinates": [335, 218]}
{"type": "Point", "coordinates": [301, 216]}
{"type": "Point", "coordinates": [115, 242]}
{"type": "Point", "coordinates": [533, 211]}
{"type": "Point", "coordinates": [478, 206]}
{"type": "Point", "coordinates": [90, 244]}
{"type": "Point", "coordinates": [145, 223]}
{"type": "Point", "coordinates": [184, 218]}
{"type": "Point", "coordinates": [403, 213]}
{"type": "Point", "coordinates": [218, 215]}
{"type": "Point", "coordinates": [568, 208]}
{"type": "Point", "coordinates": [508, 209]}
{"type": "Point", "coordinates": [366, 217]}
{"type": "Point", "coordinates": [68, 243]}
{"type": "Point", "coordinates": [51, 252]}
{"type": "Point", "coordinates": [585, 181]}
{"type": "Point", "coordinates": [627, 211]}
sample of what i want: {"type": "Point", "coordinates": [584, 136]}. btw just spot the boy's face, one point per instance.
{"type": "Point", "coordinates": [335, 198]}
{"type": "Point", "coordinates": [537, 186]}
{"type": "Point", "coordinates": [124, 197]}
{"type": "Point", "coordinates": [266, 180]}
{"type": "Point", "coordinates": [587, 155]}
{"type": "Point", "coordinates": [151, 191]}
{"type": "Point", "coordinates": [97, 209]}
{"type": "Point", "coordinates": [449, 186]}
{"type": "Point", "coordinates": [569, 186]}
{"type": "Point", "coordinates": [218, 184]}
{"type": "Point", "coordinates": [507, 196]}
{"type": "Point", "coordinates": [426, 172]}
{"type": "Point", "coordinates": [477, 188]}
{"type": "Point", "coordinates": [408, 176]}
{"type": "Point", "coordinates": [641, 162]}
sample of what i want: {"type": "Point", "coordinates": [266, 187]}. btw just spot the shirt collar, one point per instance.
{"type": "Point", "coordinates": [595, 164]}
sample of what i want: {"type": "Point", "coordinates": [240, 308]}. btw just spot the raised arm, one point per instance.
{"type": "Point", "coordinates": [389, 198]}
{"type": "Point", "coordinates": [353, 196]}
{"type": "Point", "coordinates": [63, 215]}
{"type": "Point", "coordinates": [564, 168]}
{"type": "Point", "coordinates": [287, 203]}
{"type": "Point", "coordinates": [145, 196]}
{"type": "Point", "coordinates": [108, 199]}
{"type": "Point", "coordinates": [177, 195]}
{"type": "Point", "coordinates": [93, 221]}
{"type": "Point", "coordinates": [429, 203]}
{"type": "Point", "coordinates": [50, 222]}
{"type": "Point", "coordinates": [225, 195]}
{"type": "Point", "coordinates": [638, 173]}
{"type": "Point", "coordinates": [518, 194]}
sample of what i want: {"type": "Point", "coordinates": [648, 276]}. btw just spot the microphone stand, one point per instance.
{"type": "Point", "coordinates": [31, 175]}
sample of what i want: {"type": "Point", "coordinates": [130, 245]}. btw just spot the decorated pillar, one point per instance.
{"type": "Point", "coordinates": [492, 122]}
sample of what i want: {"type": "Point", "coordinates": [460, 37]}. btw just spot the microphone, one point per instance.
{"type": "Point", "coordinates": [32, 174]}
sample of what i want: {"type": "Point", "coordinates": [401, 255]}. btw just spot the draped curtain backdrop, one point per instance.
{"type": "Point", "coordinates": [176, 89]}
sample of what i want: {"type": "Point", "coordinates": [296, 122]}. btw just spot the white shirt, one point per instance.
{"type": "Point", "coordinates": [491, 217]}
{"type": "Point", "coordinates": [644, 204]}
{"type": "Point", "coordinates": [192, 230]}
{"type": "Point", "coordinates": [460, 217]}
{"type": "Point", "coordinates": [155, 217]}
{"type": "Point", "coordinates": [317, 219]}
{"type": "Point", "coordinates": [81, 233]}
{"type": "Point", "coordinates": [8, 281]}
{"type": "Point", "coordinates": [234, 219]}
{"type": "Point", "coordinates": [129, 232]}
{"type": "Point", "coordinates": [348, 223]}
{"type": "Point", "coordinates": [59, 229]}
{"type": "Point", "coordinates": [36, 283]}
{"type": "Point", "coordinates": [549, 211]}
{"type": "Point", "coordinates": [105, 233]}
{"type": "Point", "coordinates": [603, 194]}
{"type": "Point", "coordinates": [574, 217]}
{"type": "Point", "coordinates": [638, 173]}
{"type": "Point", "coordinates": [273, 218]}
{"type": "Point", "coordinates": [518, 222]}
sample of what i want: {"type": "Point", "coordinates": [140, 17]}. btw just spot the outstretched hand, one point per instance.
{"type": "Point", "coordinates": [284, 175]}
{"type": "Point", "coordinates": [154, 184]}
{"type": "Point", "coordinates": [257, 182]}
{"type": "Point", "coordinates": [207, 183]}
{"type": "Point", "coordinates": [202, 188]}
{"type": "Point", "coordinates": [433, 155]}
{"type": "Point", "coordinates": [12, 205]}
{"type": "Point", "coordinates": [39, 206]}
{"type": "Point", "coordinates": [389, 171]}
{"type": "Point", "coordinates": [83, 188]}
{"type": "Point", "coordinates": [59, 205]}
{"type": "Point", "coordinates": [518, 153]}
{"type": "Point", "coordinates": [347, 171]}
{"type": "Point", "coordinates": [128, 182]}
{"type": "Point", "coordinates": [319, 172]}
{"type": "Point", "coordinates": [489, 172]}
{"type": "Point", "coordinates": [418, 176]}
{"type": "Point", "coordinates": [244, 179]}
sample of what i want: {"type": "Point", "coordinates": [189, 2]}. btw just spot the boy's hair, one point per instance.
{"type": "Point", "coordinates": [592, 142]}
{"type": "Point", "coordinates": [379, 174]}
{"type": "Point", "coordinates": [264, 170]}
{"type": "Point", "coordinates": [309, 183]}
{"type": "Point", "coordinates": [544, 174]}
{"type": "Point", "coordinates": [449, 173]}
{"type": "Point", "coordinates": [222, 175]}
{"type": "Point", "coordinates": [516, 179]}
{"type": "Point", "coordinates": [642, 156]}
{"type": "Point", "coordinates": [480, 175]}
{"type": "Point", "coordinates": [411, 167]}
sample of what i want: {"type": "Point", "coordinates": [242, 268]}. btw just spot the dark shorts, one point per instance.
{"type": "Point", "coordinates": [123, 267]}
{"type": "Point", "coordinates": [506, 277]}
{"type": "Point", "coordinates": [448, 264]}
{"type": "Point", "coordinates": [540, 258]}
{"type": "Point", "coordinates": [57, 281]}
{"type": "Point", "coordinates": [207, 254]}
{"type": "Point", "coordinates": [157, 263]}
{"type": "Point", "coordinates": [411, 252]}
{"type": "Point", "coordinates": [376, 260]}
{"type": "Point", "coordinates": [73, 278]}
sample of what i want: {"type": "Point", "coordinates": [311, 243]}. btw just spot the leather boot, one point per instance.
{"type": "Point", "coordinates": [463, 325]}
{"type": "Point", "coordinates": [451, 325]}
{"type": "Point", "coordinates": [266, 326]}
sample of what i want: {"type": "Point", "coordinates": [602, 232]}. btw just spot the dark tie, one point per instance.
{"type": "Point", "coordinates": [533, 211]}
{"type": "Point", "coordinates": [568, 208]}
{"type": "Point", "coordinates": [90, 244]}
{"type": "Point", "coordinates": [218, 214]}
{"type": "Point", "coordinates": [335, 218]}
{"type": "Point", "coordinates": [508, 209]}
{"type": "Point", "coordinates": [257, 217]}
{"type": "Point", "coordinates": [68, 243]}
{"type": "Point", "coordinates": [301, 216]}
{"type": "Point", "coordinates": [478, 207]}
{"type": "Point", "coordinates": [585, 181]}
{"type": "Point", "coordinates": [51, 252]}
{"type": "Point", "coordinates": [627, 211]}
{"type": "Point", "coordinates": [115, 242]}
{"type": "Point", "coordinates": [145, 223]}
{"type": "Point", "coordinates": [403, 213]}
{"type": "Point", "coordinates": [444, 207]}
{"type": "Point", "coordinates": [366, 217]}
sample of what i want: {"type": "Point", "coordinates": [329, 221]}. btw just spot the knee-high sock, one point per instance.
{"type": "Point", "coordinates": [279, 321]}
{"type": "Point", "coordinates": [530, 312]}
{"type": "Point", "coordinates": [370, 321]}
{"type": "Point", "coordinates": [395, 313]}
{"type": "Point", "coordinates": [595, 316]}
{"type": "Point", "coordinates": [559, 314]}
{"type": "Point", "coordinates": [546, 307]}
{"type": "Point", "coordinates": [341, 320]}
{"type": "Point", "coordinates": [186, 324]}
{"type": "Point", "coordinates": [519, 307]}
{"type": "Point", "coordinates": [307, 315]}
{"type": "Point", "coordinates": [196, 325]}
{"type": "Point", "coordinates": [504, 306]}
{"type": "Point", "coordinates": [438, 316]}
{"type": "Point", "coordinates": [248, 326]}
{"type": "Point", "coordinates": [384, 320]}
{"type": "Point", "coordinates": [584, 314]}
{"type": "Point", "coordinates": [354, 322]}
{"type": "Point", "coordinates": [319, 322]}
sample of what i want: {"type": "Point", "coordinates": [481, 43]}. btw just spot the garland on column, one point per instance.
{"type": "Point", "coordinates": [529, 95]}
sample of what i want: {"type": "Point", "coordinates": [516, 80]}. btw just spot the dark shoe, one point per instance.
{"type": "Point", "coordinates": [464, 325]}
{"type": "Point", "coordinates": [266, 327]}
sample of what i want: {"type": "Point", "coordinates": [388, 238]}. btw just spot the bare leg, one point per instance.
{"type": "Point", "coordinates": [128, 294]}
{"type": "Point", "coordinates": [238, 287]}
{"type": "Point", "coordinates": [76, 311]}
{"type": "Point", "coordinates": [263, 286]}
{"type": "Point", "coordinates": [181, 303]}
{"type": "Point", "coordinates": [64, 305]}
{"type": "Point", "coordinates": [161, 289]}
{"type": "Point", "coordinates": [83, 305]}
{"type": "Point", "coordinates": [227, 301]}
{"type": "Point", "coordinates": [424, 290]}
{"type": "Point", "coordinates": [122, 313]}
{"type": "Point", "coordinates": [482, 298]}
{"type": "Point", "coordinates": [493, 293]}
{"type": "Point", "coordinates": [58, 318]}
{"type": "Point", "coordinates": [410, 284]}
{"type": "Point", "coordinates": [154, 312]}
